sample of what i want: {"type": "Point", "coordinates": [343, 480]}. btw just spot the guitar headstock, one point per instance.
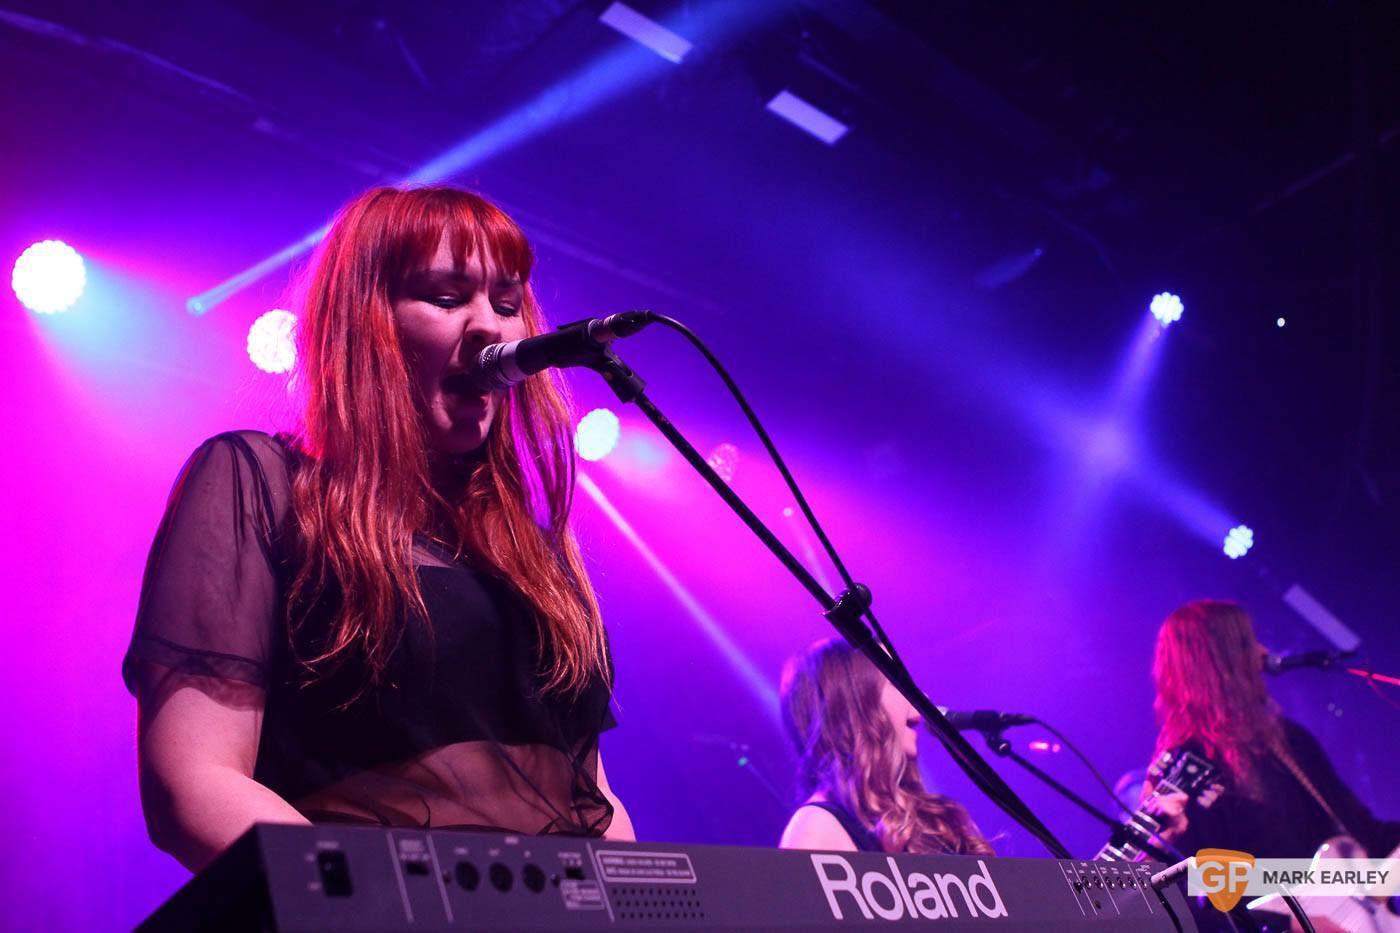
{"type": "Point", "coordinates": [1182, 771]}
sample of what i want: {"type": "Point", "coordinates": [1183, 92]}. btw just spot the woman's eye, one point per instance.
{"type": "Point", "coordinates": [506, 309]}
{"type": "Point", "coordinates": [445, 301]}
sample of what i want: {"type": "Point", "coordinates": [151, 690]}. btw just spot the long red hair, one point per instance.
{"type": "Point", "coordinates": [847, 750]}
{"type": "Point", "coordinates": [361, 492]}
{"type": "Point", "coordinates": [1209, 673]}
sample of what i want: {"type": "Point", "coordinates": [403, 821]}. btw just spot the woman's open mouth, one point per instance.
{"type": "Point", "coordinates": [461, 392]}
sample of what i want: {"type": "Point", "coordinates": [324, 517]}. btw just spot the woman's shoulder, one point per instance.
{"type": "Point", "coordinates": [252, 441]}
{"type": "Point", "coordinates": [254, 466]}
{"type": "Point", "coordinates": [269, 453]}
{"type": "Point", "coordinates": [814, 826]}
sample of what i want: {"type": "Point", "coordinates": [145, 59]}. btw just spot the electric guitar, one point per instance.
{"type": "Point", "coordinates": [1175, 772]}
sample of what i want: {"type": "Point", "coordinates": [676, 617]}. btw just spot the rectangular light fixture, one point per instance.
{"type": "Point", "coordinates": [1322, 619]}
{"type": "Point", "coordinates": [804, 116]}
{"type": "Point", "coordinates": [645, 30]}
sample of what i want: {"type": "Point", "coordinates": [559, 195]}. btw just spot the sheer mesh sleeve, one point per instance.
{"type": "Point", "coordinates": [211, 601]}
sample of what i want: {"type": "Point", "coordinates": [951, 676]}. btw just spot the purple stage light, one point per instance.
{"type": "Point", "coordinates": [49, 277]}
{"type": "Point", "coordinates": [1238, 542]}
{"type": "Point", "coordinates": [645, 31]}
{"type": "Point", "coordinates": [597, 434]}
{"type": "Point", "coordinates": [806, 117]}
{"type": "Point", "coordinates": [272, 341]}
{"type": "Point", "coordinates": [1166, 308]}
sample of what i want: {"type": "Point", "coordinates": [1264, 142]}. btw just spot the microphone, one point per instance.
{"type": "Point", "coordinates": [502, 365]}
{"type": "Point", "coordinates": [983, 720]}
{"type": "Point", "coordinates": [1278, 663]}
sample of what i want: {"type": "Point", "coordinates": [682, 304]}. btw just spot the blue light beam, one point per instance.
{"type": "Point", "coordinates": [761, 686]}
{"type": "Point", "coordinates": [604, 79]}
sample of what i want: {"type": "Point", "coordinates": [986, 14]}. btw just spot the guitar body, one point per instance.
{"type": "Point", "coordinates": [1359, 914]}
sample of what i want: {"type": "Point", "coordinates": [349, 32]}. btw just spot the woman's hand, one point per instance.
{"type": "Point", "coordinates": [1170, 811]}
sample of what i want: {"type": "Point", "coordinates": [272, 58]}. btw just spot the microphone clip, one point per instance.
{"type": "Point", "coordinates": [845, 614]}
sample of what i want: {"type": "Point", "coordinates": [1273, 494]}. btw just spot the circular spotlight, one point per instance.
{"type": "Point", "coordinates": [724, 460]}
{"type": "Point", "coordinates": [1280, 322]}
{"type": "Point", "coordinates": [49, 277]}
{"type": "Point", "coordinates": [1239, 541]}
{"type": "Point", "coordinates": [597, 434]}
{"type": "Point", "coordinates": [1166, 308]}
{"type": "Point", "coordinates": [272, 341]}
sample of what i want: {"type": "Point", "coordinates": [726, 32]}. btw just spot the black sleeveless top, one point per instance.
{"type": "Point", "coordinates": [458, 733]}
{"type": "Point", "coordinates": [863, 838]}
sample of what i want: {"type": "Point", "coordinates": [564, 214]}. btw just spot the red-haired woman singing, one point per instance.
{"type": "Point", "coordinates": [1279, 795]}
{"type": "Point", "coordinates": [858, 776]}
{"type": "Point", "coordinates": [382, 619]}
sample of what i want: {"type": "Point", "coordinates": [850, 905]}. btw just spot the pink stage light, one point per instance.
{"type": "Point", "coordinates": [724, 460]}
{"type": "Point", "coordinates": [272, 341]}
{"type": "Point", "coordinates": [49, 277]}
{"type": "Point", "coordinates": [597, 434]}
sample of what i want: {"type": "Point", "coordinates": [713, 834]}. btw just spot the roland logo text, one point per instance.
{"type": "Point", "coordinates": [895, 896]}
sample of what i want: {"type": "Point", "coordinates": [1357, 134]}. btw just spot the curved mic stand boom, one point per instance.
{"type": "Point", "coordinates": [844, 612]}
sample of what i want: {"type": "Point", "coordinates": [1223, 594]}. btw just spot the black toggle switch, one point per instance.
{"type": "Point", "coordinates": [335, 873]}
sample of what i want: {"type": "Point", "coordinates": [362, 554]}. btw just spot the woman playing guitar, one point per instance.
{"type": "Point", "coordinates": [1279, 795]}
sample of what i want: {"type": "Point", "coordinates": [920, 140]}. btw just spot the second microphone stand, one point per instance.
{"type": "Point", "coordinates": [844, 612]}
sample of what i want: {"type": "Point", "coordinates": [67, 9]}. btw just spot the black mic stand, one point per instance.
{"type": "Point", "coordinates": [843, 612]}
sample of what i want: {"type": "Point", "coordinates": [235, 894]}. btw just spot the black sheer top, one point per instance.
{"type": "Point", "coordinates": [457, 734]}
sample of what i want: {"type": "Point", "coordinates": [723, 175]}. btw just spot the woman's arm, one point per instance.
{"type": "Point", "coordinates": [196, 756]}
{"type": "Point", "coordinates": [620, 829]}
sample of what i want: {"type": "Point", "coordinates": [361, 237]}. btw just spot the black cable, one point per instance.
{"type": "Point", "coordinates": [1171, 911]}
{"type": "Point", "coordinates": [788, 478]}
{"type": "Point", "coordinates": [1087, 763]}
{"type": "Point", "coordinates": [1299, 913]}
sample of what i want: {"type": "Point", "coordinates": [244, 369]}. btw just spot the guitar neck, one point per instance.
{"type": "Point", "coordinates": [1139, 835]}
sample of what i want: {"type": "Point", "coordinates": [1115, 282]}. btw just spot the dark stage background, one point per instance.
{"type": "Point", "coordinates": [942, 317]}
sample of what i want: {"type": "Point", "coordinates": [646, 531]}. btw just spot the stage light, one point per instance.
{"type": "Point", "coordinates": [1166, 308]}
{"type": "Point", "coordinates": [1280, 322]}
{"type": "Point", "coordinates": [806, 117]}
{"type": "Point", "coordinates": [724, 460]}
{"type": "Point", "coordinates": [1239, 541]}
{"type": "Point", "coordinates": [272, 341]}
{"type": "Point", "coordinates": [49, 277]}
{"type": "Point", "coordinates": [597, 434]}
{"type": "Point", "coordinates": [645, 31]}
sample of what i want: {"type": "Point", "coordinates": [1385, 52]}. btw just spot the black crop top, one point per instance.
{"type": "Point", "coordinates": [457, 734]}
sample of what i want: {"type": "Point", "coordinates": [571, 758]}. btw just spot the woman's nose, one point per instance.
{"type": "Point", "coordinates": [482, 325]}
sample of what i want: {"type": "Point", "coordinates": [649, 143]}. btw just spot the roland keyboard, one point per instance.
{"type": "Point", "coordinates": [334, 878]}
